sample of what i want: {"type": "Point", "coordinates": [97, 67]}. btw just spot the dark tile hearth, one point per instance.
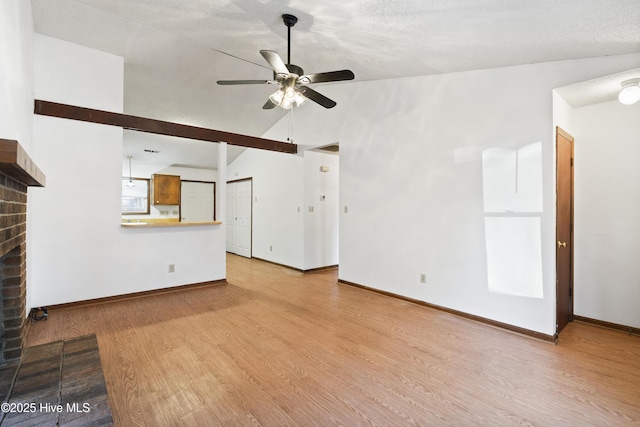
{"type": "Point", "coordinates": [59, 383]}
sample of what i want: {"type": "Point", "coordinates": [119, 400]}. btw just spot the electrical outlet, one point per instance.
{"type": "Point", "coordinates": [172, 268]}
{"type": "Point", "coordinates": [423, 278]}
{"type": "Point", "coordinates": [310, 208]}
{"type": "Point", "coordinates": [270, 248]}
{"type": "Point", "coordinates": [346, 209]}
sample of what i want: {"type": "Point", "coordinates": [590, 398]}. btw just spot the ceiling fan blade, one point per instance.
{"type": "Point", "coordinates": [268, 105]}
{"type": "Point", "coordinates": [277, 64]}
{"type": "Point", "coordinates": [317, 97]}
{"type": "Point", "coordinates": [331, 76]}
{"type": "Point", "coordinates": [243, 82]}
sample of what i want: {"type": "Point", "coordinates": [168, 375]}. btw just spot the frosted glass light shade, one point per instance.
{"type": "Point", "coordinates": [287, 98]}
{"type": "Point", "coordinates": [630, 93]}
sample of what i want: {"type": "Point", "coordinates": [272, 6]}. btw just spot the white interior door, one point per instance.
{"type": "Point", "coordinates": [243, 223]}
{"type": "Point", "coordinates": [239, 217]}
{"type": "Point", "coordinates": [196, 201]}
{"type": "Point", "coordinates": [231, 217]}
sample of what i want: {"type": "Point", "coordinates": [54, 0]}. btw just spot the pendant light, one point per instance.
{"type": "Point", "coordinates": [130, 183]}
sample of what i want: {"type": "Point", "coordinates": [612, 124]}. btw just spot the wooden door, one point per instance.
{"type": "Point", "coordinates": [564, 229]}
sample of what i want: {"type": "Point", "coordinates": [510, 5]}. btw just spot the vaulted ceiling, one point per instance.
{"type": "Point", "coordinates": [175, 50]}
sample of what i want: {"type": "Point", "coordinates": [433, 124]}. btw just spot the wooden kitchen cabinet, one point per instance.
{"type": "Point", "coordinates": [165, 189]}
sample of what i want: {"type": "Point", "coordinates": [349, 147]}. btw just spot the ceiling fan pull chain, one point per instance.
{"type": "Point", "coordinates": [290, 138]}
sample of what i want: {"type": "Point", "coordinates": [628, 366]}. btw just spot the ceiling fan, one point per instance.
{"type": "Point", "coordinates": [293, 89]}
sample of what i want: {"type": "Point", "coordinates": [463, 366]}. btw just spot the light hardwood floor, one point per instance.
{"type": "Point", "coordinates": [276, 347]}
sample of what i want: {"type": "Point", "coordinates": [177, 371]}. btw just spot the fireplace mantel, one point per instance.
{"type": "Point", "coordinates": [16, 164]}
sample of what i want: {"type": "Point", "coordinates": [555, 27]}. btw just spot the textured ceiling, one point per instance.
{"type": "Point", "coordinates": [175, 50]}
{"type": "Point", "coordinates": [602, 89]}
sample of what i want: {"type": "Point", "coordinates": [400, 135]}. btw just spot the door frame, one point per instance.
{"type": "Point", "coordinates": [559, 290]}
{"type": "Point", "coordinates": [215, 218]}
{"type": "Point", "coordinates": [250, 179]}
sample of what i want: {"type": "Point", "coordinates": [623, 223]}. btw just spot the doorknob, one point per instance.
{"type": "Point", "coordinates": [563, 244]}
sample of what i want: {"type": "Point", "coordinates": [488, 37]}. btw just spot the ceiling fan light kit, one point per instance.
{"type": "Point", "coordinates": [293, 89]}
{"type": "Point", "coordinates": [630, 93]}
{"type": "Point", "coordinates": [287, 98]}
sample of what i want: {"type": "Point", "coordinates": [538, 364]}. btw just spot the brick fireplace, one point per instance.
{"type": "Point", "coordinates": [17, 173]}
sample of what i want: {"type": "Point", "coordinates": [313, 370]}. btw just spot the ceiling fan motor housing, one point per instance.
{"type": "Point", "coordinates": [289, 20]}
{"type": "Point", "coordinates": [294, 69]}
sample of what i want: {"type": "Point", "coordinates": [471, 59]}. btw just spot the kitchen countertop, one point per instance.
{"type": "Point", "coordinates": [165, 224]}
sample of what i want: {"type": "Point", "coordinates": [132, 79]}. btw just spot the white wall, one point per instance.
{"type": "Point", "coordinates": [191, 174]}
{"type": "Point", "coordinates": [78, 250]}
{"type": "Point", "coordinates": [278, 204]}
{"type": "Point", "coordinates": [16, 72]}
{"type": "Point", "coordinates": [561, 113]}
{"type": "Point", "coordinates": [291, 224]}
{"type": "Point", "coordinates": [321, 225]}
{"type": "Point", "coordinates": [411, 175]}
{"type": "Point", "coordinates": [607, 209]}
{"type": "Point", "coordinates": [16, 83]}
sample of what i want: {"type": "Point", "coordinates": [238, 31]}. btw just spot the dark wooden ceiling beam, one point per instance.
{"type": "Point", "coordinates": [142, 124]}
